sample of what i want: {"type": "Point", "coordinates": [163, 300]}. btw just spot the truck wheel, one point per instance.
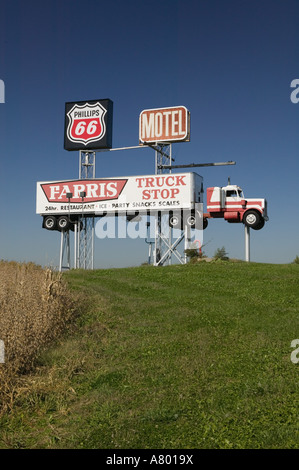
{"type": "Point", "coordinates": [252, 219]}
{"type": "Point", "coordinates": [260, 225]}
{"type": "Point", "coordinates": [205, 223]}
{"type": "Point", "coordinates": [50, 222]}
{"type": "Point", "coordinates": [195, 220]}
{"type": "Point", "coordinates": [175, 220]}
{"type": "Point", "coordinates": [191, 220]}
{"type": "Point", "coordinates": [63, 223]}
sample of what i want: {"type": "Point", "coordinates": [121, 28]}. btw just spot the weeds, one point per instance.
{"type": "Point", "coordinates": [35, 308]}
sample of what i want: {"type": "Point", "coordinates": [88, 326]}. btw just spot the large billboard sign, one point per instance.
{"type": "Point", "coordinates": [122, 194]}
{"type": "Point", "coordinates": [164, 125]}
{"type": "Point", "coordinates": [88, 125]}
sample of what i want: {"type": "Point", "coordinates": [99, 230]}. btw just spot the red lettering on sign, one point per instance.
{"type": "Point", "coordinates": [96, 190]}
{"type": "Point", "coordinates": [86, 128]}
{"type": "Point", "coordinates": [160, 193]}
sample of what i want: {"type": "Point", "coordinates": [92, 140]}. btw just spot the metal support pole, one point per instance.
{"type": "Point", "coordinates": [163, 155]}
{"type": "Point", "coordinates": [65, 249]}
{"type": "Point", "coordinates": [149, 252]}
{"type": "Point", "coordinates": [75, 244]}
{"type": "Point", "coordinates": [85, 237]}
{"type": "Point", "coordinates": [194, 165]}
{"type": "Point", "coordinates": [247, 243]}
{"type": "Point", "coordinates": [157, 241]}
{"type": "Point", "coordinates": [92, 242]}
{"type": "Point", "coordinates": [170, 242]}
{"type": "Point", "coordinates": [61, 251]}
{"type": "Point", "coordinates": [187, 230]}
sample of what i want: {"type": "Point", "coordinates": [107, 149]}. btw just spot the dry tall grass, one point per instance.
{"type": "Point", "coordinates": [35, 308]}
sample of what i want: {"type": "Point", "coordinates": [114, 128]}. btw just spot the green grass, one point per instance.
{"type": "Point", "coordinates": [194, 356]}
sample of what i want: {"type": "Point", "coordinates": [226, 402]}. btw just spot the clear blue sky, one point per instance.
{"type": "Point", "coordinates": [230, 62]}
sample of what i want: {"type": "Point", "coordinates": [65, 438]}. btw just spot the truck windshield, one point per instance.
{"type": "Point", "coordinates": [235, 193]}
{"type": "Point", "coordinates": [231, 193]}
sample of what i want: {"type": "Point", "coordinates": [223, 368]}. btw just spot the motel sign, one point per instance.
{"type": "Point", "coordinates": [164, 125]}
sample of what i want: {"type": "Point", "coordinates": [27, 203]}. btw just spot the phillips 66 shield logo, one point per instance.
{"type": "Point", "coordinates": [88, 125]}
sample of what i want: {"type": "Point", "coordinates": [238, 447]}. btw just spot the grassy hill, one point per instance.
{"type": "Point", "coordinates": [193, 356]}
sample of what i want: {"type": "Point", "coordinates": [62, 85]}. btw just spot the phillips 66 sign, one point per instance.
{"type": "Point", "coordinates": [88, 125]}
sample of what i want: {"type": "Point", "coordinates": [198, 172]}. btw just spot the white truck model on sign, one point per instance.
{"type": "Point", "coordinates": [63, 203]}
{"type": "Point", "coordinates": [228, 202]}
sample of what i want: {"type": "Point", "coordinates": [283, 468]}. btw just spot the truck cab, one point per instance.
{"type": "Point", "coordinates": [229, 202]}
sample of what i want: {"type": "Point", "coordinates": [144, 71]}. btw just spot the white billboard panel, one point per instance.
{"type": "Point", "coordinates": [144, 193]}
